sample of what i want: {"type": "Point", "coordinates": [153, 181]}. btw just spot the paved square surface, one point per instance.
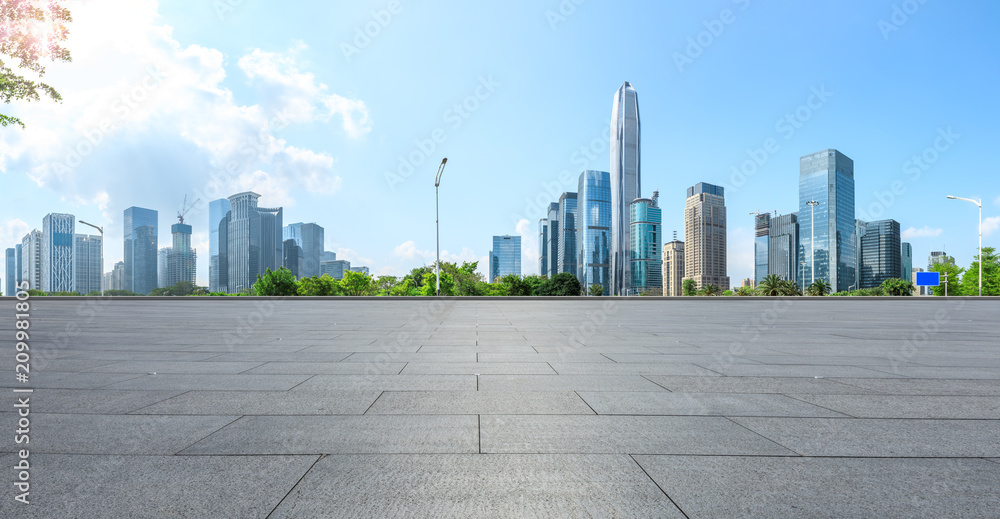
{"type": "Point", "coordinates": [712, 407]}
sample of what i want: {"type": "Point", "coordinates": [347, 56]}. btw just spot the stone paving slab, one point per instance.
{"type": "Point", "coordinates": [806, 371]}
{"type": "Point", "coordinates": [566, 383]}
{"type": "Point", "coordinates": [750, 385]}
{"type": "Point", "coordinates": [634, 368]}
{"type": "Point", "coordinates": [439, 485]}
{"type": "Point", "coordinates": [482, 368]}
{"type": "Point", "coordinates": [468, 356]}
{"type": "Point", "coordinates": [733, 486]}
{"type": "Point", "coordinates": [264, 403]}
{"type": "Point", "coordinates": [243, 382]}
{"type": "Point", "coordinates": [924, 386]}
{"type": "Point", "coordinates": [388, 382]}
{"type": "Point", "coordinates": [901, 406]}
{"type": "Point", "coordinates": [700, 404]}
{"type": "Point", "coordinates": [344, 434]}
{"type": "Point", "coordinates": [205, 367]}
{"type": "Point", "coordinates": [479, 402]}
{"type": "Point", "coordinates": [328, 368]}
{"type": "Point", "coordinates": [544, 357]}
{"type": "Point", "coordinates": [94, 401]}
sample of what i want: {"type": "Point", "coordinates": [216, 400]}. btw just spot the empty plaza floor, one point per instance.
{"type": "Point", "coordinates": [579, 407]}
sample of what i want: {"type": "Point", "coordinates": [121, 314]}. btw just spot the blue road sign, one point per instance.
{"type": "Point", "coordinates": [928, 279]}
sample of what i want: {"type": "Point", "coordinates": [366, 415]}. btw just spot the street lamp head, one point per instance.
{"type": "Point", "coordinates": [812, 203]}
{"type": "Point", "coordinates": [437, 179]}
{"type": "Point", "coordinates": [953, 197]}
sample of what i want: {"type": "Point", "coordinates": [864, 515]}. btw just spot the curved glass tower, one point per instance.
{"type": "Point", "coordinates": [625, 181]}
{"type": "Point", "coordinates": [593, 230]}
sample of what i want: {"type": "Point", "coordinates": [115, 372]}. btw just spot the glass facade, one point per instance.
{"type": "Point", "coordinates": [310, 238]}
{"type": "Point", "coordinates": [827, 177]}
{"type": "Point", "coordinates": [218, 266]}
{"type": "Point", "coordinates": [593, 235]}
{"type": "Point", "coordinates": [57, 266]}
{"type": "Point", "coordinates": [11, 279]}
{"type": "Point", "coordinates": [505, 258]}
{"type": "Point", "coordinates": [140, 228]}
{"type": "Point", "coordinates": [906, 260]}
{"type": "Point", "coordinates": [31, 259]}
{"type": "Point", "coordinates": [644, 243]}
{"type": "Point", "coordinates": [292, 257]}
{"type": "Point", "coordinates": [880, 253]}
{"type": "Point", "coordinates": [553, 244]}
{"type": "Point", "coordinates": [182, 260]}
{"type": "Point", "coordinates": [625, 180]}
{"type": "Point", "coordinates": [761, 251]}
{"type": "Point", "coordinates": [783, 251]}
{"type": "Point", "coordinates": [543, 247]}
{"type": "Point", "coordinates": [335, 268]}
{"type": "Point", "coordinates": [567, 233]}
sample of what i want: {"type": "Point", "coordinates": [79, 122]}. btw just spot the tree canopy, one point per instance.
{"type": "Point", "coordinates": [30, 32]}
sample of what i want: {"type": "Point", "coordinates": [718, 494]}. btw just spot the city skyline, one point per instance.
{"type": "Point", "coordinates": [325, 137]}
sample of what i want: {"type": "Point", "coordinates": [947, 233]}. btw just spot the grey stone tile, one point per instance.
{"type": "Point", "coordinates": [926, 386]}
{"type": "Point", "coordinates": [328, 368]}
{"type": "Point", "coordinates": [389, 382]}
{"type": "Point", "coordinates": [755, 385]}
{"type": "Point", "coordinates": [117, 434]}
{"type": "Point", "coordinates": [346, 434]}
{"type": "Point", "coordinates": [581, 349]}
{"type": "Point", "coordinates": [479, 402]}
{"type": "Point", "coordinates": [58, 380]}
{"type": "Point", "coordinates": [827, 360]}
{"type": "Point", "coordinates": [167, 366]}
{"type": "Point", "coordinates": [566, 383]}
{"type": "Point", "coordinates": [762, 370]}
{"type": "Point", "coordinates": [485, 368]}
{"type": "Point", "coordinates": [487, 348]}
{"type": "Point", "coordinates": [93, 401]}
{"type": "Point", "coordinates": [622, 434]}
{"type": "Point", "coordinates": [635, 368]}
{"type": "Point", "coordinates": [174, 486]}
{"type": "Point", "coordinates": [855, 437]}
{"type": "Point", "coordinates": [543, 357]}
{"type": "Point", "coordinates": [717, 404]}
{"type": "Point", "coordinates": [265, 403]}
{"type": "Point", "coordinates": [468, 356]}
{"type": "Point", "coordinates": [139, 354]}
{"type": "Point", "coordinates": [732, 486]}
{"type": "Point", "coordinates": [352, 348]}
{"type": "Point", "coordinates": [438, 485]}
{"type": "Point", "coordinates": [957, 373]}
{"type": "Point", "coordinates": [900, 406]}
{"type": "Point", "coordinates": [243, 382]}
{"type": "Point", "coordinates": [296, 356]}
{"type": "Point", "coordinates": [658, 358]}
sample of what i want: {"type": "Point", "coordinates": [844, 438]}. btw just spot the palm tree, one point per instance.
{"type": "Point", "coordinates": [819, 288]}
{"type": "Point", "coordinates": [790, 288]}
{"type": "Point", "coordinates": [711, 290]}
{"type": "Point", "coordinates": [771, 285]}
{"type": "Point", "coordinates": [744, 291]}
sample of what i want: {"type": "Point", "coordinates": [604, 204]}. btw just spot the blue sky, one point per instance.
{"type": "Point", "coordinates": [208, 98]}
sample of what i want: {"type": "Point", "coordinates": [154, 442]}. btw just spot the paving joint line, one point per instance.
{"type": "Point", "coordinates": [643, 469]}
{"type": "Point", "coordinates": [282, 500]}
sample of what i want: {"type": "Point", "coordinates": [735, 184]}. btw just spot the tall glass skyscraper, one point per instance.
{"type": "Point", "coordinates": [644, 239]}
{"type": "Point", "coordinates": [140, 228]}
{"type": "Point", "coordinates": [761, 249]}
{"type": "Point", "coordinates": [505, 258]}
{"type": "Point", "coordinates": [87, 255]}
{"type": "Point", "coordinates": [543, 247]}
{"type": "Point", "coordinates": [593, 230]}
{"type": "Point", "coordinates": [625, 180]}
{"type": "Point", "coordinates": [253, 240]}
{"type": "Point", "coordinates": [783, 247]}
{"type": "Point", "coordinates": [218, 240]}
{"type": "Point", "coordinates": [11, 257]}
{"type": "Point", "coordinates": [906, 258]}
{"type": "Point", "coordinates": [309, 237]}
{"type": "Point", "coordinates": [31, 259]}
{"type": "Point", "coordinates": [553, 244]}
{"type": "Point", "coordinates": [58, 268]}
{"type": "Point", "coordinates": [827, 177]}
{"type": "Point", "coordinates": [182, 260]}
{"type": "Point", "coordinates": [567, 233]}
{"type": "Point", "coordinates": [880, 253]}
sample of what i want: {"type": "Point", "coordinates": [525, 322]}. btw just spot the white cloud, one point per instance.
{"type": "Point", "coordinates": [13, 230]}
{"type": "Point", "coordinates": [924, 232]}
{"type": "Point", "coordinates": [408, 250]}
{"type": "Point", "coordinates": [529, 247]}
{"type": "Point", "coordinates": [991, 225]}
{"type": "Point", "coordinates": [997, 201]}
{"type": "Point", "coordinates": [355, 258]}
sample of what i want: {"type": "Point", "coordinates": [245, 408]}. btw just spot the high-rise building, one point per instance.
{"type": "Point", "coordinates": [161, 267]}
{"type": "Point", "coordinates": [938, 257]}
{"type": "Point", "coordinates": [860, 228]}
{"type": "Point", "coordinates": [567, 233]}
{"type": "Point", "coordinates": [553, 239]}
{"type": "Point", "coordinates": [827, 178]}
{"type": "Point", "coordinates": [783, 249]}
{"type": "Point", "coordinates": [593, 230]}
{"type": "Point", "coordinates": [880, 253]}
{"type": "Point", "coordinates": [292, 257]}
{"type": "Point", "coordinates": [182, 260]}
{"type": "Point", "coordinates": [543, 247]}
{"type": "Point", "coordinates": [327, 256]}
{"type": "Point", "coordinates": [335, 268]}
{"type": "Point", "coordinates": [361, 270]}
{"type": "Point", "coordinates": [705, 236]}
{"type": "Point", "coordinates": [310, 238]}
{"type": "Point", "coordinates": [140, 228]}
{"type": "Point", "coordinates": [18, 268]}
{"type": "Point", "coordinates": [673, 267]}
{"type": "Point", "coordinates": [505, 258]}
{"type": "Point", "coordinates": [115, 280]}
{"type": "Point", "coordinates": [254, 241]}
{"type": "Point", "coordinates": [625, 180]}
{"type": "Point", "coordinates": [646, 270]}
{"type": "Point", "coordinates": [271, 242]}
{"type": "Point", "coordinates": [31, 259]}
{"type": "Point", "coordinates": [906, 260]}
{"type": "Point", "coordinates": [761, 249]}
{"type": "Point", "coordinates": [58, 267]}
{"type": "Point", "coordinates": [89, 263]}
{"type": "Point", "coordinates": [218, 244]}
{"type": "Point", "coordinates": [11, 272]}
{"type": "Point", "coordinates": [919, 290]}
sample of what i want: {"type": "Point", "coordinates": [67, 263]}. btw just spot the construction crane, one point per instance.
{"type": "Point", "coordinates": [765, 212]}
{"type": "Point", "coordinates": [185, 208]}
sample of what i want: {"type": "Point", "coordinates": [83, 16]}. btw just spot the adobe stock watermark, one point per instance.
{"type": "Point", "coordinates": [121, 109]}
{"type": "Point", "coordinates": [786, 127]}
{"type": "Point", "coordinates": [562, 12]}
{"type": "Point", "coordinates": [454, 117]}
{"type": "Point", "coordinates": [366, 33]}
{"type": "Point", "coordinates": [901, 14]}
{"type": "Point", "coordinates": [913, 169]}
{"type": "Point", "coordinates": [714, 29]}
{"type": "Point", "coordinates": [224, 7]}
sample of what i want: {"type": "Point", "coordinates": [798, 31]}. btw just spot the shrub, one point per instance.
{"type": "Point", "coordinates": [280, 282]}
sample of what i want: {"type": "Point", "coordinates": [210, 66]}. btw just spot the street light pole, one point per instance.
{"type": "Point", "coordinates": [980, 204]}
{"type": "Point", "coordinates": [812, 237]}
{"type": "Point", "coordinates": [437, 226]}
{"type": "Point", "coordinates": [100, 230]}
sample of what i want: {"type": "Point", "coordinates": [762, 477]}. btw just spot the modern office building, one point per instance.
{"type": "Point", "coordinates": [89, 263]}
{"type": "Point", "coordinates": [327, 256]}
{"type": "Point", "coordinates": [31, 259]}
{"type": "Point", "coordinates": [938, 257]}
{"type": "Point", "coordinates": [543, 247]}
{"type": "Point", "coordinates": [783, 248]}
{"type": "Point", "coordinates": [115, 280]}
{"type": "Point", "coordinates": [161, 267]}
{"type": "Point", "coordinates": [625, 180]}
{"type": "Point", "coordinates": [705, 236]}
{"type": "Point", "coordinates": [335, 268]}
{"type": "Point", "coordinates": [140, 229]}
{"type": "Point", "coordinates": [673, 267]}
{"type": "Point", "coordinates": [553, 244]}
{"type": "Point", "coordinates": [646, 270]}
{"type": "Point", "coordinates": [310, 238]}
{"type": "Point", "coordinates": [906, 260]}
{"type": "Point", "coordinates": [593, 230]}
{"type": "Point", "coordinates": [218, 243]}
{"type": "Point", "coordinates": [253, 239]}
{"type": "Point", "coordinates": [880, 253]}
{"type": "Point", "coordinates": [58, 267]}
{"type": "Point", "coordinates": [182, 260]}
{"type": "Point", "coordinates": [361, 270]}
{"type": "Point", "coordinates": [827, 178]}
{"type": "Point", "coordinates": [292, 257]}
{"type": "Point", "coordinates": [11, 270]}
{"type": "Point", "coordinates": [919, 291]}
{"type": "Point", "coordinates": [18, 258]}
{"type": "Point", "coordinates": [567, 233]}
{"type": "Point", "coordinates": [505, 258]}
{"type": "Point", "coordinates": [761, 249]}
{"type": "Point", "coordinates": [860, 228]}
{"type": "Point", "coordinates": [271, 242]}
